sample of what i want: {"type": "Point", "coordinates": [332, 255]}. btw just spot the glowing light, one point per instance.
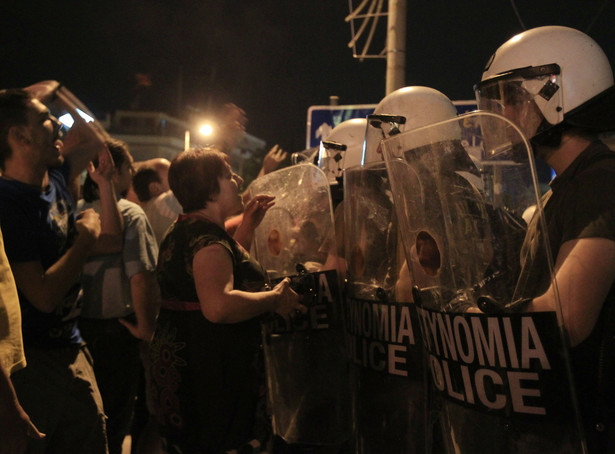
{"type": "Point", "coordinates": [68, 121]}
{"type": "Point", "coordinates": [206, 129]}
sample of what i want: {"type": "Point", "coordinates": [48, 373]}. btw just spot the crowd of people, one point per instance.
{"type": "Point", "coordinates": [141, 286]}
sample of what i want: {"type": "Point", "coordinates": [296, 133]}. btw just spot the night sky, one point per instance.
{"type": "Point", "coordinates": [274, 58]}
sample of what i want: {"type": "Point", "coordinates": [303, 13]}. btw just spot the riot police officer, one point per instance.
{"type": "Point", "coordinates": [556, 84]}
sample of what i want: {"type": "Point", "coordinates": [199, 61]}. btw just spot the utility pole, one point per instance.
{"type": "Point", "coordinates": [396, 45]}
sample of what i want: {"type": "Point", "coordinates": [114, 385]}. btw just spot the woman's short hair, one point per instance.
{"type": "Point", "coordinates": [194, 174]}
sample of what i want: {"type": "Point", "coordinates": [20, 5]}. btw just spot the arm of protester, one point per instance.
{"type": "Point", "coordinates": [46, 289]}
{"type": "Point", "coordinates": [146, 303]}
{"type": "Point", "coordinates": [221, 303]}
{"type": "Point", "coordinates": [231, 224]}
{"type": "Point", "coordinates": [80, 146]}
{"type": "Point", "coordinates": [272, 160]}
{"type": "Point", "coordinates": [253, 214]}
{"type": "Point", "coordinates": [232, 127]}
{"type": "Point", "coordinates": [111, 236]}
{"type": "Point", "coordinates": [15, 425]}
{"type": "Point", "coordinates": [584, 273]}
{"type": "Point", "coordinates": [83, 140]}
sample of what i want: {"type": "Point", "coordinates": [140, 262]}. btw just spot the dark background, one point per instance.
{"type": "Point", "coordinates": [274, 58]}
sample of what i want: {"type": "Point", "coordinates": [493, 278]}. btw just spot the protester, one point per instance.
{"type": "Point", "coordinates": [155, 197]}
{"type": "Point", "coordinates": [120, 302]}
{"type": "Point", "coordinates": [15, 424]}
{"type": "Point", "coordinates": [272, 160]}
{"type": "Point", "coordinates": [47, 248]}
{"type": "Point", "coordinates": [151, 186]}
{"type": "Point", "coordinates": [205, 351]}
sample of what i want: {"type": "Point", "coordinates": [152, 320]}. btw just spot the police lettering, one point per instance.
{"type": "Point", "coordinates": [380, 356]}
{"type": "Point", "coordinates": [320, 311]}
{"type": "Point", "coordinates": [488, 341]}
{"type": "Point", "coordinates": [492, 363]}
{"type": "Point", "coordinates": [316, 318]}
{"type": "Point", "coordinates": [381, 336]}
{"type": "Point", "coordinates": [386, 322]}
{"type": "Point", "coordinates": [486, 387]}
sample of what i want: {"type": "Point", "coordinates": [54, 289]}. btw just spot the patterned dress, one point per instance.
{"type": "Point", "coordinates": [206, 377]}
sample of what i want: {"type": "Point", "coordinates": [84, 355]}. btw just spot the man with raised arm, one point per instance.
{"type": "Point", "coordinates": [47, 246]}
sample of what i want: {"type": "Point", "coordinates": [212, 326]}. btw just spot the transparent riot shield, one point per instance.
{"type": "Point", "coordinates": [388, 403]}
{"type": "Point", "coordinates": [500, 376]}
{"type": "Point", "coordinates": [306, 359]}
{"type": "Point", "coordinates": [66, 107]}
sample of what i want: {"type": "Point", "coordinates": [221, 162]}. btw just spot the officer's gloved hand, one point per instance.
{"type": "Point", "coordinates": [489, 305]}
{"type": "Point", "coordinates": [461, 303]}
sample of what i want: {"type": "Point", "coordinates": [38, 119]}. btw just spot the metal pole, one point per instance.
{"type": "Point", "coordinates": [180, 91]}
{"type": "Point", "coordinates": [396, 46]}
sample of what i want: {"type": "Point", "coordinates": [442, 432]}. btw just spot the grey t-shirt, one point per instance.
{"type": "Point", "coordinates": [106, 278]}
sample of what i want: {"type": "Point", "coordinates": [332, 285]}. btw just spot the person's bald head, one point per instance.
{"type": "Point", "coordinates": [161, 166]}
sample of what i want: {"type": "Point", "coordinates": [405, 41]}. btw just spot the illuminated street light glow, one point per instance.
{"type": "Point", "coordinates": [207, 129]}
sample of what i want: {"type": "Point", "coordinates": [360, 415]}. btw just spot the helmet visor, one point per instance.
{"type": "Point", "coordinates": [331, 159]}
{"type": "Point", "coordinates": [379, 127]}
{"type": "Point", "coordinates": [531, 98]}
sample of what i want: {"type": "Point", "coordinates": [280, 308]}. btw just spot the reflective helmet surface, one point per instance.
{"type": "Point", "coordinates": [419, 106]}
{"type": "Point", "coordinates": [540, 75]}
{"type": "Point", "coordinates": [351, 135]}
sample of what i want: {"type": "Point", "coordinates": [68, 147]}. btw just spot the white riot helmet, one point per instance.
{"type": "Point", "coordinates": [405, 109]}
{"type": "Point", "coordinates": [545, 76]}
{"type": "Point", "coordinates": [343, 148]}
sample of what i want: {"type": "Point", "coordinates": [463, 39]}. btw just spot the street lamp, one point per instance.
{"type": "Point", "coordinates": [206, 129]}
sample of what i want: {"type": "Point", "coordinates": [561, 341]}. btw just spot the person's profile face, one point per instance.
{"type": "Point", "coordinates": [229, 184]}
{"type": "Point", "coordinates": [428, 253]}
{"type": "Point", "coordinates": [43, 134]}
{"type": "Point", "coordinates": [510, 99]}
{"type": "Point", "coordinates": [526, 115]}
{"type": "Point", "coordinates": [124, 176]}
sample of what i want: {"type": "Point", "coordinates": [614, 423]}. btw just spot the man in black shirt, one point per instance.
{"type": "Point", "coordinates": [556, 85]}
